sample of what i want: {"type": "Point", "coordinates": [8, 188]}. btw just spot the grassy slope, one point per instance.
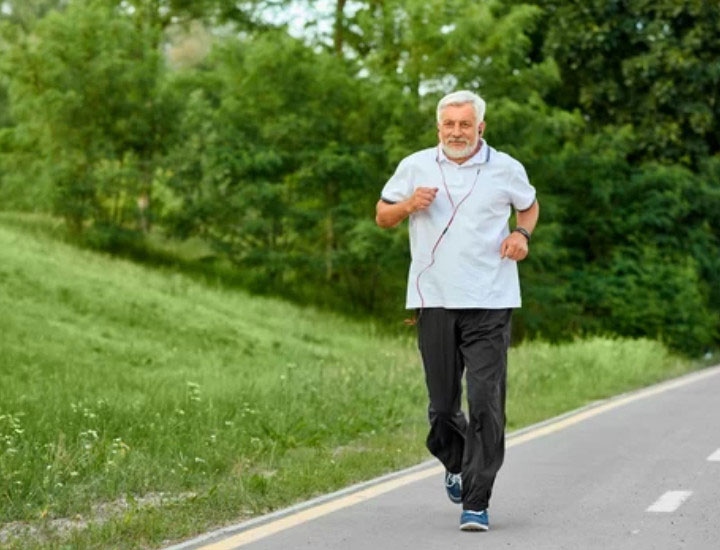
{"type": "Point", "coordinates": [118, 380]}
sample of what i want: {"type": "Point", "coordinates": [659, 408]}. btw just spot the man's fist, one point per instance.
{"type": "Point", "coordinates": [422, 198]}
{"type": "Point", "coordinates": [515, 247]}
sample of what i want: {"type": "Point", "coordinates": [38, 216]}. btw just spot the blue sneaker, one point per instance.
{"type": "Point", "coordinates": [474, 521]}
{"type": "Point", "coordinates": [453, 487]}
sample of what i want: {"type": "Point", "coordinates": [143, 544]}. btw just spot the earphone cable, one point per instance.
{"type": "Point", "coordinates": [442, 233]}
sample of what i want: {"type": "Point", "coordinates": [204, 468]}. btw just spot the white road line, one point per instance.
{"type": "Point", "coordinates": [715, 457]}
{"type": "Point", "coordinates": [670, 501]}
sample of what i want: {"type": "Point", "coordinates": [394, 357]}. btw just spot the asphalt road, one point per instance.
{"type": "Point", "coordinates": [637, 472]}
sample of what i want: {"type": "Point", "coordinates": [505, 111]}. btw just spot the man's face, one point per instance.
{"type": "Point", "coordinates": [458, 131]}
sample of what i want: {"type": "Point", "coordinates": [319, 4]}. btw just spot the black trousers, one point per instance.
{"type": "Point", "coordinates": [474, 342]}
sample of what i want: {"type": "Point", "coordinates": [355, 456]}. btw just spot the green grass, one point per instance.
{"type": "Point", "coordinates": [119, 382]}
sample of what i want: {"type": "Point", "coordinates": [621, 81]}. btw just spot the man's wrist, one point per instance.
{"type": "Point", "coordinates": [524, 232]}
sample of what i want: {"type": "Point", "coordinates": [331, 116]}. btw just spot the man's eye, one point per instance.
{"type": "Point", "coordinates": [465, 125]}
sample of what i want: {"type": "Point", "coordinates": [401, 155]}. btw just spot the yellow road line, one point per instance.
{"type": "Point", "coordinates": [281, 524]}
{"type": "Point", "coordinates": [302, 516]}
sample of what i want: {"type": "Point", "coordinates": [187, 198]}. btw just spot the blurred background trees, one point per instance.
{"type": "Point", "coordinates": [230, 124]}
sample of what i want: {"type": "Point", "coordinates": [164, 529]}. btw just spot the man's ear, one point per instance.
{"type": "Point", "coordinates": [481, 128]}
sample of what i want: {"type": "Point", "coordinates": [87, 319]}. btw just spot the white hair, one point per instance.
{"type": "Point", "coordinates": [461, 98]}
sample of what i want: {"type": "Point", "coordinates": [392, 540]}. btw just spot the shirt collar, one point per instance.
{"type": "Point", "coordinates": [480, 157]}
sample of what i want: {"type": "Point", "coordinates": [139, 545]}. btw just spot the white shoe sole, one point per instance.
{"type": "Point", "coordinates": [472, 526]}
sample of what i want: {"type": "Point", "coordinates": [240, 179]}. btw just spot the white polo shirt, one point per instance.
{"type": "Point", "coordinates": [465, 270]}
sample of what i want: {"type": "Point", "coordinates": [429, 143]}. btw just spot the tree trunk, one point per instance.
{"type": "Point", "coordinates": [330, 202]}
{"type": "Point", "coordinates": [339, 27]}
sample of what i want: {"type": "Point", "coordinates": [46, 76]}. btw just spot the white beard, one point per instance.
{"type": "Point", "coordinates": [459, 153]}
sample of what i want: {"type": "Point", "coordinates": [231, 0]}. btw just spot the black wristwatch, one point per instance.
{"type": "Point", "coordinates": [524, 232]}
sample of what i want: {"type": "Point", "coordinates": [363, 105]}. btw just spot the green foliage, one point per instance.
{"type": "Point", "coordinates": [164, 13]}
{"type": "Point", "coordinates": [25, 13]}
{"type": "Point", "coordinates": [434, 46]}
{"type": "Point", "coordinates": [654, 65]}
{"type": "Point", "coordinates": [634, 240]}
{"type": "Point", "coordinates": [643, 293]}
{"type": "Point", "coordinates": [284, 204]}
{"type": "Point", "coordinates": [5, 118]}
{"type": "Point", "coordinates": [84, 93]}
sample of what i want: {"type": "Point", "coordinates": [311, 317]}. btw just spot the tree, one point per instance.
{"type": "Point", "coordinates": [652, 65]}
{"type": "Point", "coordinates": [84, 94]}
{"type": "Point", "coordinates": [639, 253]}
{"type": "Point", "coordinates": [274, 177]}
{"type": "Point", "coordinates": [25, 13]}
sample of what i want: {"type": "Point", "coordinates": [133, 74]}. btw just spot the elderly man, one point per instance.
{"type": "Point", "coordinates": [463, 284]}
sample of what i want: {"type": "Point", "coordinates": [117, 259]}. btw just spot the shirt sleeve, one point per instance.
{"type": "Point", "coordinates": [400, 186]}
{"type": "Point", "coordinates": [522, 193]}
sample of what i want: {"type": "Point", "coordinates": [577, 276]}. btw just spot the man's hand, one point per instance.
{"type": "Point", "coordinates": [389, 215]}
{"type": "Point", "coordinates": [515, 247]}
{"type": "Point", "coordinates": [422, 198]}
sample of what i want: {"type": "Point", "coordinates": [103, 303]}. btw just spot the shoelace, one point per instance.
{"type": "Point", "coordinates": [452, 479]}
